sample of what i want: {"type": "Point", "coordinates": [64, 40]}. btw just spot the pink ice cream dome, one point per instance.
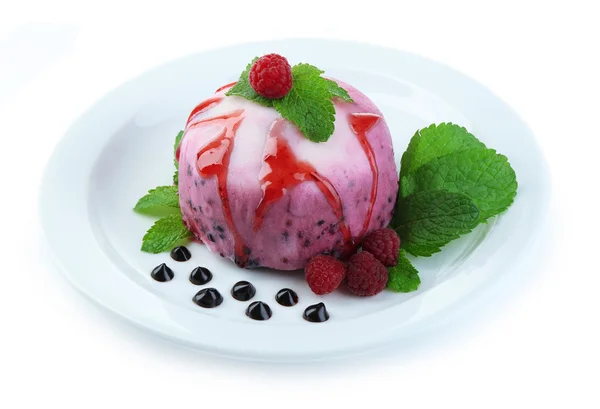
{"type": "Point", "coordinates": [255, 190]}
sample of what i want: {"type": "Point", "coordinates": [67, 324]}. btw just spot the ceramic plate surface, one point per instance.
{"type": "Point", "coordinates": [122, 146]}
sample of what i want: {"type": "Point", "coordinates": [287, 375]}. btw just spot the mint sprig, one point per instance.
{"type": "Point", "coordinates": [403, 277]}
{"type": "Point", "coordinates": [449, 183]}
{"type": "Point", "coordinates": [435, 141]}
{"type": "Point", "coordinates": [166, 233]}
{"type": "Point", "coordinates": [177, 143]}
{"type": "Point", "coordinates": [163, 199]}
{"type": "Point", "coordinates": [309, 104]}
{"type": "Point", "coordinates": [482, 174]}
{"type": "Point", "coordinates": [336, 91]}
{"type": "Point", "coordinates": [427, 221]}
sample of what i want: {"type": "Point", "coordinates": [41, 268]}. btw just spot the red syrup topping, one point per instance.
{"type": "Point", "coordinates": [213, 160]}
{"type": "Point", "coordinates": [231, 84]}
{"type": "Point", "coordinates": [201, 107]}
{"type": "Point", "coordinates": [360, 124]}
{"type": "Point", "coordinates": [283, 171]}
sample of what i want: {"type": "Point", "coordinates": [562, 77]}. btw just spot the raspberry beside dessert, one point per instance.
{"type": "Point", "coordinates": [324, 274]}
{"type": "Point", "coordinates": [365, 274]}
{"type": "Point", "coordinates": [384, 244]}
{"type": "Point", "coordinates": [271, 76]}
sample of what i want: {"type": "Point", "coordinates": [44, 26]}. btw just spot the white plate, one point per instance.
{"type": "Point", "coordinates": [122, 147]}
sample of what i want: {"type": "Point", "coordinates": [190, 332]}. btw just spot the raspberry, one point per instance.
{"type": "Point", "coordinates": [271, 76]}
{"type": "Point", "coordinates": [324, 274]}
{"type": "Point", "coordinates": [365, 274]}
{"type": "Point", "coordinates": [384, 244]}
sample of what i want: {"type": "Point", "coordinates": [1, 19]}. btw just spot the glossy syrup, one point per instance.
{"type": "Point", "coordinates": [213, 160]}
{"type": "Point", "coordinates": [360, 125]}
{"type": "Point", "coordinates": [287, 297]}
{"type": "Point", "coordinates": [316, 313]}
{"type": "Point", "coordinates": [208, 298]}
{"type": "Point", "coordinates": [181, 253]}
{"type": "Point", "coordinates": [231, 84]}
{"type": "Point", "coordinates": [243, 291]}
{"type": "Point", "coordinates": [200, 276]}
{"type": "Point", "coordinates": [285, 171]}
{"type": "Point", "coordinates": [162, 273]}
{"type": "Point", "coordinates": [259, 311]}
{"type": "Point", "coordinates": [201, 107]}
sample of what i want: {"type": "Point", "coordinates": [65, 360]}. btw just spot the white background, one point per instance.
{"type": "Point", "coordinates": [530, 341]}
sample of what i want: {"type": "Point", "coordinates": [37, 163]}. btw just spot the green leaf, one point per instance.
{"type": "Point", "coordinates": [177, 143]}
{"type": "Point", "coordinates": [482, 174]}
{"type": "Point", "coordinates": [336, 91]}
{"type": "Point", "coordinates": [403, 277]}
{"type": "Point", "coordinates": [426, 221]}
{"type": "Point", "coordinates": [163, 199]}
{"type": "Point", "coordinates": [243, 89]}
{"type": "Point", "coordinates": [435, 141]}
{"type": "Point", "coordinates": [165, 234]}
{"type": "Point", "coordinates": [308, 104]}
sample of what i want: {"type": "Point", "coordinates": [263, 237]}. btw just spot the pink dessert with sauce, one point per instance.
{"type": "Point", "coordinates": [255, 190]}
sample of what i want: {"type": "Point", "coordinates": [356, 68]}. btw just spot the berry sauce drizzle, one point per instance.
{"type": "Point", "coordinates": [213, 160]}
{"type": "Point", "coordinates": [360, 124]}
{"type": "Point", "coordinates": [283, 171]}
{"type": "Point", "coordinates": [231, 84]}
{"type": "Point", "coordinates": [201, 107]}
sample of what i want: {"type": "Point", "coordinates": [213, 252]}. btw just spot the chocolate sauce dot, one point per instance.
{"type": "Point", "coordinates": [243, 291]}
{"type": "Point", "coordinates": [200, 276]}
{"type": "Point", "coordinates": [316, 313]}
{"type": "Point", "coordinates": [181, 253]}
{"type": "Point", "coordinates": [259, 311]}
{"type": "Point", "coordinates": [162, 273]}
{"type": "Point", "coordinates": [287, 297]}
{"type": "Point", "coordinates": [208, 298]}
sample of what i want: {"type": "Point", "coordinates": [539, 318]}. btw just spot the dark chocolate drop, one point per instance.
{"type": "Point", "coordinates": [259, 311]}
{"type": "Point", "coordinates": [287, 297]}
{"type": "Point", "coordinates": [316, 313]}
{"type": "Point", "coordinates": [243, 291]}
{"type": "Point", "coordinates": [200, 276]}
{"type": "Point", "coordinates": [181, 253]}
{"type": "Point", "coordinates": [208, 298]}
{"type": "Point", "coordinates": [162, 273]}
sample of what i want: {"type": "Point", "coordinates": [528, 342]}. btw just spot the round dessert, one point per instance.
{"type": "Point", "coordinates": [255, 190]}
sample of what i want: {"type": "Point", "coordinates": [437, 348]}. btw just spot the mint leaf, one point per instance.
{"type": "Point", "coordinates": [336, 91]}
{"type": "Point", "coordinates": [482, 174]}
{"type": "Point", "coordinates": [403, 277]}
{"type": "Point", "coordinates": [163, 199]}
{"type": "Point", "coordinates": [426, 221]}
{"type": "Point", "coordinates": [308, 104]}
{"type": "Point", "coordinates": [243, 89]}
{"type": "Point", "coordinates": [435, 141]}
{"type": "Point", "coordinates": [165, 234]}
{"type": "Point", "coordinates": [177, 143]}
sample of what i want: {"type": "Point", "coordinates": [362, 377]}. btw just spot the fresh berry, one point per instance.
{"type": "Point", "coordinates": [324, 274]}
{"type": "Point", "coordinates": [384, 244]}
{"type": "Point", "coordinates": [271, 76]}
{"type": "Point", "coordinates": [365, 274]}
